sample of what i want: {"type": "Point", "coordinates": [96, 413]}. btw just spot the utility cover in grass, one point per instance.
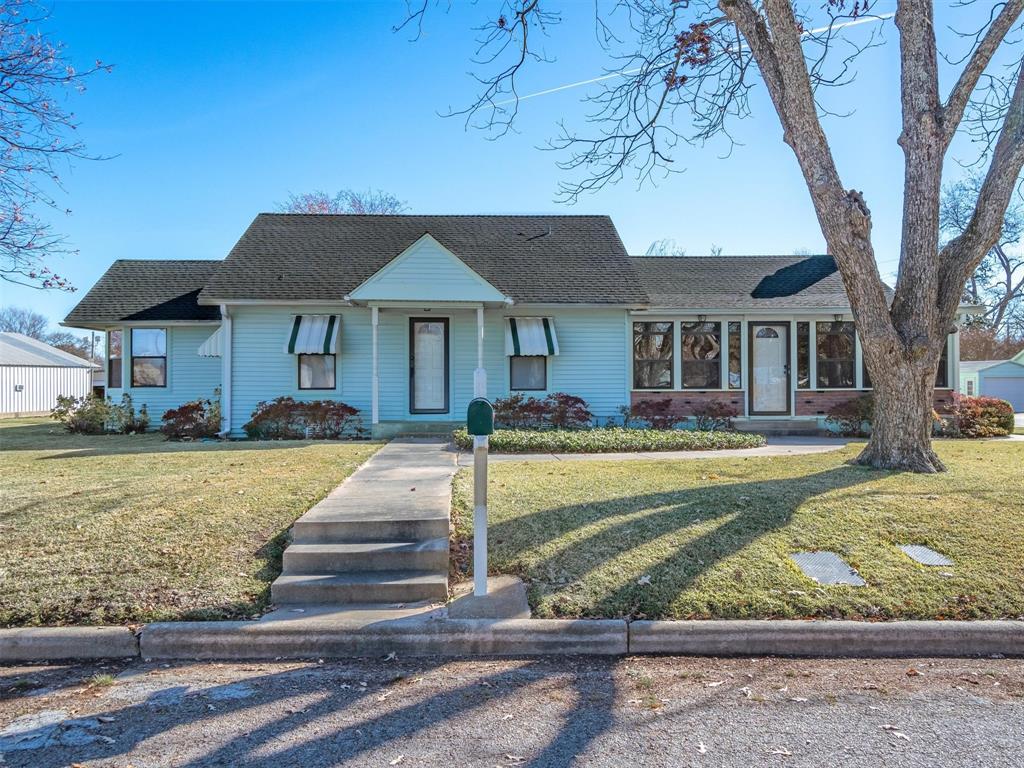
{"type": "Point", "coordinates": [827, 568]}
{"type": "Point", "coordinates": [924, 555]}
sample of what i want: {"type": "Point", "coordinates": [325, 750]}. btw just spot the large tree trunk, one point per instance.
{"type": "Point", "coordinates": [902, 427]}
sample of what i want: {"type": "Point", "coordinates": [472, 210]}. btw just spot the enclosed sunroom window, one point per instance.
{"type": "Point", "coordinates": [836, 355]}
{"type": "Point", "coordinates": [701, 352]}
{"type": "Point", "coordinates": [652, 355]}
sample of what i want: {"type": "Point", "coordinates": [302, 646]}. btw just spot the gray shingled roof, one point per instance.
{"type": "Point", "coordinates": [533, 259]}
{"type": "Point", "coordinates": [19, 349]}
{"type": "Point", "coordinates": [755, 282]}
{"type": "Point", "coordinates": [147, 290]}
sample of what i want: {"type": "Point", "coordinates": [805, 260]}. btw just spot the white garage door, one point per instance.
{"type": "Point", "coordinates": [1005, 388]}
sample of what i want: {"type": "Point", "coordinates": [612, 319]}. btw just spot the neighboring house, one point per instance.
{"type": "Point", "coordinates": [995, 378]}
{"type": "Point", "coordinates": [393, 315]}
{"type": "Point", "coordinates": [33, 374]}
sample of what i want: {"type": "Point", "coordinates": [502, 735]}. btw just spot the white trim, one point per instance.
{"type": "Point", "coordinates": [276, 302]}
{"type": "Point", "coordinates": [423, 306]}
{"type": "Point", "coordinates": [791, 343]}
{"type": "Point", "coordinates": [375, 370]}
{"type": "Point", "coordinates": [225, 371]}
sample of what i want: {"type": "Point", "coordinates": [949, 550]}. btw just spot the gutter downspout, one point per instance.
{"type": "Point", "coordinates": [225, 372]}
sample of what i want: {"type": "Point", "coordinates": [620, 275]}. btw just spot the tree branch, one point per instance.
{"type": "Point", "coordinates": [953, 110]}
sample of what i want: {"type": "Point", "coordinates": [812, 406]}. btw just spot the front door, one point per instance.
{"type": "Point", "coordinates": [428, 365]}
{"type": "Point", "coordinates": [769, 369]}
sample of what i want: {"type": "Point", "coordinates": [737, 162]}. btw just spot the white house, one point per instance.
{"type": "Point", "coordinates": [33, 374]}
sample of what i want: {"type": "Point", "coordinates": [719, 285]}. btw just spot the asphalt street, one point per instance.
{"type": "Point", "coordinates": [524, 712]}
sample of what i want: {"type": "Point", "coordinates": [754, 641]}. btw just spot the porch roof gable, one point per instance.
{"type": "Point", "coordinates": [427, 271]}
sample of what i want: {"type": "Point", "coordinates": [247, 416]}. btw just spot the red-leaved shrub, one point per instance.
{"type": "Point", "coordinates": [713, 415]}
{"type": "Point", "coordinates": [191, 421]}
{"type": "Point", "coordinates": [558, 410]}
{"type": "Point", "coordinates": [288, 419]}
{"type": "Point", "coordinates": [982, 416]}
{"type": "Point", "coordinates": [656, 414]}
{"type": "Point", "coordinates": [853, 417]}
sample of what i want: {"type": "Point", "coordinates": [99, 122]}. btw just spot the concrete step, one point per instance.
{"type": "Point", "coordinates": [424, 555]}
{"type": "Point", "coordinates": [778, 427]}
{"type": "Point", "coordinates": [342, 529]}
{"type": "Point", "coordinates": [359, 587]}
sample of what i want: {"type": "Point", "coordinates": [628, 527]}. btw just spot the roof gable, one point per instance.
{"type": "Point", "coordinates": [427, 271]}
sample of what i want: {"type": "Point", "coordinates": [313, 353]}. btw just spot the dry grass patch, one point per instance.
{"type": "Point", "coordinates": [120, 529]}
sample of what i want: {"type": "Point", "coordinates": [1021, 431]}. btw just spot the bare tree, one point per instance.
{"type": "Point", "coordinates": [979, 342]}
{"type": "Point", "coordinates": [998, 281]}
{"type": "Point", "coordinates": [664, 247]}
{"type": "Point", "coordinates": [680, 63]}
{"type": "Point", "coordinates": [36, 142]}
{"type": "Point", "coordinates": [36, 326]}
{"type": "Point", "coordinates": [372, 201]}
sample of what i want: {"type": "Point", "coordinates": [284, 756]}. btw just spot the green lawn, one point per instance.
{"type": "Point", "coordinates": [117, 529]}
{"type": "Point", "coordinates": [713, 536]}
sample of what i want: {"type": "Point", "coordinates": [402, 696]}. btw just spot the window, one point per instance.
{"type": "Point", "coordinates": [836, 355]}
{"type": "Point", "coordinates": [970, 387]}
{"type": "Point", "coordinates": [701, 345]}
{"type": "Point", "coordinates": [316, 371]}
{"type": "Point", "coordinates": [652, 355]}
{"type": "Point", "coordinates": [115, 346]}
{"type": "Point", "coordinates": [149, 357]}
{"type": "Point", "coordinates": [803, 355]}
{"type": "Point", "coordinates": [528, 372]}
{"type": "Point", "coordinates": [942, 374]}
{"type": "Point", "coordinates": [735, 363]}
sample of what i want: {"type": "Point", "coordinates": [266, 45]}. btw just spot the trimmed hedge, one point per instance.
{"type": "Point", "coordinates": [609, 440]}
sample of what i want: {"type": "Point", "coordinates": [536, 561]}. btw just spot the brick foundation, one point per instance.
{"type": "Point", "coordinates": [809, 402]}
{"type": "Point", "coordinates": [684, 403]}
{"type": "Point", "coordinates": [817, 402]}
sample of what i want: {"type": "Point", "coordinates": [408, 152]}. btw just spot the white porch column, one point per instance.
{"type": "Point", "coordinates": [480, 374]}
{"type": "Point", "coordinates": [374, 375]}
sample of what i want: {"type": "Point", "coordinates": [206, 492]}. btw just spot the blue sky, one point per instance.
{"type": "Point", "coordinates": [215, 112]}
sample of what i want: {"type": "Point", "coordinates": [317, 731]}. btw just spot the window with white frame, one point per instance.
{"type": "Point", "coordinates": [700, 347]}
{"type": "Point", "coordinates": [149, 357]}
{"type": "Point", "coordinates": [652, 355]}
{"type": "Point", "coordinates": [528, 372]}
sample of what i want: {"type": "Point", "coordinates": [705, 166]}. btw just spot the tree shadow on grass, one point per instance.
{"type": "Point", "coordinates": [322, 715]}
{"type": "Point", "coordinates": [657, 522]}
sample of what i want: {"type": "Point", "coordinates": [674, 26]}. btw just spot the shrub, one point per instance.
{"type": "Point", "coordinates": [854, 416]}
{"type": "Point", "coordinates": [192, 421]}
{"type": "Point", "coordinates": [82, 415]}
{"type": "Point", "coordinates": [558, 410]}
{"type": "Point", "coordinates": [609, 440]}
{"type": "Point", "coordinates": [124, 421]}
{"type": "Point", "coordinates": [982, 416]}
{"type": "Point", "coordinates": [656, 414]}
{"type": "Point", "coordinates": [288, 419]}
{"type": "Point", "coordinates": [714, 415]}
{"type": "Point", "coordinates": [91, 415]}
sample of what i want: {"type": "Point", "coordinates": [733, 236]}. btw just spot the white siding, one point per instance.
{"type": "Point", "coordinates": [40, 387]}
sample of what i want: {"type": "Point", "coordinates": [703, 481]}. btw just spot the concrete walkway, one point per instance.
{"type": "Point", "coordinates": [777, 446]}
{"type": "Point", "coordinates": [379, 537]}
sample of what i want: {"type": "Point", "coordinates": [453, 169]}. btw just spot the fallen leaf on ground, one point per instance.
{"type": "Point", "coordinates": [782, 751]}
{"type": "Point", "coordinates": [715, 684]}
{"type": "Point", "coordinates": [702, 748]}
{"type": "Point", "coordinates": [397, 760]}
{"type": "Point", "coordinates": [644, 580]}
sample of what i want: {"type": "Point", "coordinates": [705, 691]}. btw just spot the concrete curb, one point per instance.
{"type": "Point", "coordinates": [51, 643]}
{"type": "Point", "coordinates": [411, 637]}
{"type": "Point", "coordinates": [836, 639]}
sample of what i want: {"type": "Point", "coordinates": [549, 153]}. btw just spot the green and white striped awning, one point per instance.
{"type": "Point", "coordinates": [530, 336]}
{"type": "Point", "coordinates": [313, 335]}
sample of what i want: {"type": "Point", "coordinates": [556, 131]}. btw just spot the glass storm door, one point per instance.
{"type": "Point", "coordinates": [428, 365]}
{"type": "Point", "coordinates": [769, 366]}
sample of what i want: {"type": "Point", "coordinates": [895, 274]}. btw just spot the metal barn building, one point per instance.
{"type": "Point", "coordinates": [33, 374]}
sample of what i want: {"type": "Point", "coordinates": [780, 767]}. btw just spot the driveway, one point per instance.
{"type": "Point", "coordinates": [528, 712]}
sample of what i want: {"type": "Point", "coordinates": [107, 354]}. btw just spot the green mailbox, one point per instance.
{"type": "Point", "coordinates": [480, 417]}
